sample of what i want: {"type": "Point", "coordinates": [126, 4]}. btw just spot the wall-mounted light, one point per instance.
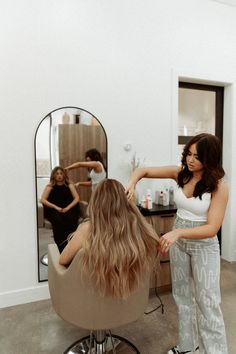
{"type": "Point", "coordinates": [127, 147]}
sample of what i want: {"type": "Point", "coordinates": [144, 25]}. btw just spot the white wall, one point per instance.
{"type": "Point", "coordinates": [119, 60]}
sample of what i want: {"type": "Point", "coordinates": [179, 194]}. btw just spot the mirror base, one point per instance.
{"type": "Point", "coordinates": [44, 259]}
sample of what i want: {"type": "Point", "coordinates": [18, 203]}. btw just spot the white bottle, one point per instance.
{"type": "Point", "coordinates": [143, 202]}
{"type": "Point", "coordinates": [166, 196]}
{"type": "Point", "coordinates": [149, 199]}
{"type": "Point", "coordinates": [161, 198]}
{"type": "Point", "coordinates": [171, 196]}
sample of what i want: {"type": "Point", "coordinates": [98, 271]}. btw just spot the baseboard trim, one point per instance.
{"type": "Point", "coordinates": [24, 296]}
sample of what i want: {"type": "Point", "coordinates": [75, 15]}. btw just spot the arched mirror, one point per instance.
{"type": "Point", "coordinates": [62, 138]}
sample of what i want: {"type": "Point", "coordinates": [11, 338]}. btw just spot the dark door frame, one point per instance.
{"type": "Point", "coordinates": [219, 107]}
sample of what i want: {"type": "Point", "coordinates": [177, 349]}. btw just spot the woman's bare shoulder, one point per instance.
{"type": "Point", "coordinates": [84, 226]}
{"type": "Point", "coordinates": [222, 189]}
{"type": "Point", "coordinates": [81, 233]}
{"type": "Point", "coordinates": [48, 187]}
{"type": "Point", "coordinates": [223, 184]}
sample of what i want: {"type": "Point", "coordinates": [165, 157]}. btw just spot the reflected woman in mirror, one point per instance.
{"type": "Point", "coordinates": [119, 245]}
{"type": "Point", "coordinates": [60, 200]}
{"type": "Point", "coordinates": [95, 166]}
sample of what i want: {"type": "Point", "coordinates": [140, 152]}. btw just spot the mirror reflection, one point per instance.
{"type": "Point", "coordinates": [70, 159]}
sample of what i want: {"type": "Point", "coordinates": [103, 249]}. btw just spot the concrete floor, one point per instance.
{"type": "Point", "coordinates": [36, 329]}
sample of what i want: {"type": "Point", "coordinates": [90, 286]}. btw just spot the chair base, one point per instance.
{"type": "Point", "coordinates": [44, 259]}
{"type": "Point", "coordinates": [120, 346]}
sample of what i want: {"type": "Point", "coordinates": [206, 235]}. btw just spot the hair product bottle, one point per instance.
{"type": "Point", "coordinates": [171, 196]}
{"type": "Point", "coordinates": [149, 199]}
{"type": "Point", "coordinates": [161, 197]}
{"type": "Point", "coordinates": [143, 202]}
{"type": "Point", "coordinates": [166, 196]}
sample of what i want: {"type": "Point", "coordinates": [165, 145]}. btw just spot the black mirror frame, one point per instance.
{"type": "Point", "coordinates": [35, 168]}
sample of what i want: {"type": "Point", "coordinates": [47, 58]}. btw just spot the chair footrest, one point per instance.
{"type": "Point", "coordinates": [111, 345]}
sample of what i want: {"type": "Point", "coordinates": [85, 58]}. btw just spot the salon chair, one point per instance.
{"type": "Point", "coordinates": [76, 301]}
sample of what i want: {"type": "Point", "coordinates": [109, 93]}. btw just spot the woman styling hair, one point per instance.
{"type": "Point", "coordinates": [95, 166]}
{"type": "Point", "coordinates": [118, 244]}
{"type": "Point", "coordinates": [201, 198]}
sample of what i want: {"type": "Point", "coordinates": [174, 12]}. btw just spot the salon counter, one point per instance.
{"type": "Point", "coordinates": [162, 219]}
{"type": "Point", "coordinates": [158, 210]}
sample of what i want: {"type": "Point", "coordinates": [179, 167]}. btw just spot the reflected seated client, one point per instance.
{"type": "Point", "coordinates": [60, 200]}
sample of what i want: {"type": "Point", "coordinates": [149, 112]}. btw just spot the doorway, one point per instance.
{"type": "Point", "coordinates": [200, 111]}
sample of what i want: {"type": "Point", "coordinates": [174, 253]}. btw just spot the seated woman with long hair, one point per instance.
{"type": "Point", "coordinates": [60, 200]}
{"type": "Point", "coordinates": [119, 245]}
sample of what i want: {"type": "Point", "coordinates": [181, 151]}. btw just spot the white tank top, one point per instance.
{"type": "Point", "coordinates": [193, 209]}
{"type": "Point", "coordinates": [96, 177]}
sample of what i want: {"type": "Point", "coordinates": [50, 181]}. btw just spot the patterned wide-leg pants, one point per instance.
{"type": "Point", "coordinates": [195, 269]}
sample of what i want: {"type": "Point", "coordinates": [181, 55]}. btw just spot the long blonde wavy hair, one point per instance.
{"type": "Point", "coordinates": [121, 246]}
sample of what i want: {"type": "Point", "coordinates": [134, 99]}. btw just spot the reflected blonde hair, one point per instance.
{"type": "Point", "coordinates": [121, 245]}
{"type": "Point", "coordinates": [53, 174]}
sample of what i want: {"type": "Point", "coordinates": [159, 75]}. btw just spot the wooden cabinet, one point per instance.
{"type": "Point", "coordinates": [74, 141]}
{"type": "Point", "coordinates": [162, 223]}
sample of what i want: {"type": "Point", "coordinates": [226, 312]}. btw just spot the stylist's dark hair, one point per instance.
{"type": "Point", "coordinates": [210, 155]}
{"type": "Point", "coordinates": [94, 155]}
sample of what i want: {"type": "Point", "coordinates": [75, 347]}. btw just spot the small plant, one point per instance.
{"type": "Point", "coordinates": [135, 161]}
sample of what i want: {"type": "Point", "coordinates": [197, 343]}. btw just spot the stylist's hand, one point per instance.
{"type": "Point", "coordinates": [129, 191]}
{"type": "Point", "coordinates": [168, 239]}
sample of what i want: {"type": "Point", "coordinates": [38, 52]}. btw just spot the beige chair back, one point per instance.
{"type": "Point", "coordinates": [76, 301]}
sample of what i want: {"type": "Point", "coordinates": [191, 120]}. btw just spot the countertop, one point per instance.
{"type": "Point", "coordinates": [158, 210]}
